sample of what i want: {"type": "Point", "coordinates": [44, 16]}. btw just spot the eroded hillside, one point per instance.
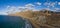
{"type": "Point", "coordinates": [41, 19]}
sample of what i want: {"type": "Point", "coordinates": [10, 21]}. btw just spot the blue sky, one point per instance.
{"type": "Point", "coordinates": [37, 4]}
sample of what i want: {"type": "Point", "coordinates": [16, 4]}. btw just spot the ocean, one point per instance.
{"type": "Point", "coordinates": [13, 22]}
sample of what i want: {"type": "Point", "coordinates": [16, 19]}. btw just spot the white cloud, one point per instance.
{"type": "Point", "coordinates": [46, 3]}
{"type": "Point", "coordinates": [38, 3]}
{"type": "Point", "coordinates": [57, 9]}
{"type": "Point", "coordinates": [52, 4]}
{"type": "Point", "coordinates": [58, 3]}
{"type": "Point", "coordinates": [3, 13]}
{"type": "Point", "coordinates": [23, 8]}
{"type": "Point", "coordinates": [13, 9]}
{"type": "Point", "coordinates": [8, 6]}
{"type": "Point", "coordinates": [29, 5]}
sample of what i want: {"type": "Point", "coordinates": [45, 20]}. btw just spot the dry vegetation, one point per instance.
{"type": "Point", "coordinates": [40, 19]}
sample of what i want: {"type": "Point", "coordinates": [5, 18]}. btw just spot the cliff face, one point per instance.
{"type": "Point", "coordinates": [53, 20]}
{"type": "Point", "coordinates": [27, 14]}
{"type": "Point", "coordinates": [42, 18]}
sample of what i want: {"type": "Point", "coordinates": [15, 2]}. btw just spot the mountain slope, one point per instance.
{"type": "Point", "coordinates": [46, 18]}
